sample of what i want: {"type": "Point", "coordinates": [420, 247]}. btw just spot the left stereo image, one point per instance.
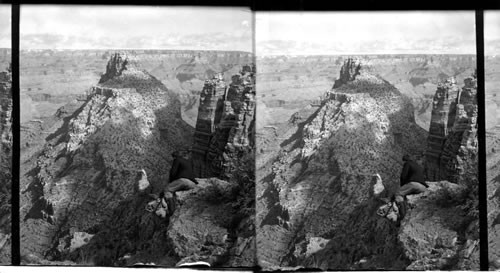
{"type": "Point", "coordinates": [136, 142]}
{"type": "Point", "coordinates": [5, 134]}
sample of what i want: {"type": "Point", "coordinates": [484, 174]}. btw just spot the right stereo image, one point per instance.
{"type": "Point", "coordinates": [367, 141]}
{"type": "Point", "coordinates": [492, 103]}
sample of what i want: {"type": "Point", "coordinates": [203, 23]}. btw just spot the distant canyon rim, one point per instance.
{"type": "Point", "coordinates": [289, 83]}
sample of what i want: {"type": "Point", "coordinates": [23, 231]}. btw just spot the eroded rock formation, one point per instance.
{"type": "Point", "coordinates": [53, 78]}
{"type": "Point", "coordinates": [348, 72]}
{"type": "Point", "coordinates": [452, 142]}
{"type": "Point", "coordinates": [224, 147]}
{"type": "Point", "coordinates": [285, 79]}
{"type": "Point", "coordinates": [5, 164]}
{"type": "Point", "coordinates": [316, 207]}
{"type": "Point", "coordinates": [115, 67]}
{"type": "Point", "coordinates": [224, 136]}
{"type": "Point", "coordinates": [318, 193]}
{"type": "Point", "coordinates": [87, 167]}
{"type": "Point", "coordinates": [442, 232]}
{"type": "Point", "coordinates": [209, 115]}
{"type": "Point", "coordinates": [85, 194]}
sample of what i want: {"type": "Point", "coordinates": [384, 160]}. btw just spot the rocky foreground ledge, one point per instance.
{"type": "Point", "coordinates": [204, 227]}
{"type": "Point", "coordinates": [437, 234]}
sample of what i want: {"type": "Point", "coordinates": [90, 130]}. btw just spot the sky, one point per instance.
{"type": "Point", "coordinates": [135, 27]}
{"type": "Point", "coordinates": [492, 33]}
{"type": "Point", "coordinates": [331, 33]}
{"type": "Point", "coordinates": [5, 27]}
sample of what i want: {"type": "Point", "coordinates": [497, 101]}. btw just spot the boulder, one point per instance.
{"type": "Point", "coordinates": [79, 239]}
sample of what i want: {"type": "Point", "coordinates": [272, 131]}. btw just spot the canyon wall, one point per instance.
{"type": "Point", "coordinates": [296, 81]}
{"type": "Point", "coordinates": [5, 165]}
{"type": "Point", "coordinates": [452, 141]}
{"type": "Point", "coordinates": [81, 203]}
{"type": "Point", "coordinates": [224, 136]}
{"type": "Point", "coordinates": [89, 164]}
{"type": "Point", "coordinates": [317, 195]}
{"type": "Point", "coordinates": [492, 89]}
{"type": "Point", "coordinates": [209, 115]}
{"type": "Point", "coordinates": [51, 78]}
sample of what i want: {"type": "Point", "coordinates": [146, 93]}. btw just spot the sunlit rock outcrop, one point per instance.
{"type": "Point", "coordinates": [130, 121]}
{"type": "Point", "coordinates": [452, 142]}
{"type": "Point", "coordinates": [226, 124]}
{"type": "Point", "coordinates": [316, 205]}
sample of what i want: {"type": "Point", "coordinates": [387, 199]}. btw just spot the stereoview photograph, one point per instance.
{"type": "Point", "coordinates": [492, 101]}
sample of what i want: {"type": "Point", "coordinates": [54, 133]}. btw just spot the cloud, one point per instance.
{"type": "Point", "coordinates": [327, 33]}
{"type": "Point", "coordinates": [96, 27]}
{"type": "Point", "coordinates": [492, 47]}
{"type": "Point", "coordinates": [492, 33]}
{"type": "Point", "coordinates": [5, 26]}
{"type": "Point", "coordinates": [211, 41]}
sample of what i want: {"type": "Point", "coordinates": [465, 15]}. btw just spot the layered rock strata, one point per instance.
{"type": "Point", "coordinates": [5, 164]}
{"type": "Point", "coordinates": [87, 167]}
{"type": "Point", "coordinates": [452, 141]}
{"type": "Point", "coordinates": [209, 115]}
{"type": "Point", "coordinates": [285, 78]}
{"type": "Point", "coordinates": [225, 127]}
{"type": "Point", "coordinates": [316, 206]}
{"type": "Point", "coordinates": [84, 197]}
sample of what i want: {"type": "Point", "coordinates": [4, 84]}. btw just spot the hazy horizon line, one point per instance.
{"type": "Point", "coordinates": [365, 54]}
{"type": "Point", "coordinates": [242, 51]}
{"type": "Point", "coordinates": [124, 49]}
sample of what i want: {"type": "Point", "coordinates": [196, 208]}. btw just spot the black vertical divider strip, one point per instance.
{"type": "Point", "coordinates": [15, 239]}
{"type": "Point", "coordinates": [483, 210]}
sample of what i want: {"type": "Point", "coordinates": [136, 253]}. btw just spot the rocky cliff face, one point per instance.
{"type": "Point", "coordinates": [292, 82]}
{"type": "Point", "coordinates": [348, 72]}
{"type": "Point", "coordinates": [493, 189]}
{"type": "Point", "coordinates": [114, 68]}
{"type": "Point", "coordinates": [87, 167]}
{"type": "Point", "coordinates": [5, 164]}
{"type": "Point", "coordinates": [442, 232]}
{"type": "Point", "coordinates": [203, 228]}
{"type": "Point", "coordinates": [316, 203]}
{"type": "Point", "coordinates": [209, 115]}
{"type": "Point", "coordinates": [52, 78]}
{"type": "Point", "coordinates": [225, 129]}
{"type": "Point", "coordinates": [492, 79]}
{"type": "Point", "coordinates": [224, 147]}
{"type": "Point", "coordinates": [452, 142]}
{"type": "Point", "coordinates": [81, 199]}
